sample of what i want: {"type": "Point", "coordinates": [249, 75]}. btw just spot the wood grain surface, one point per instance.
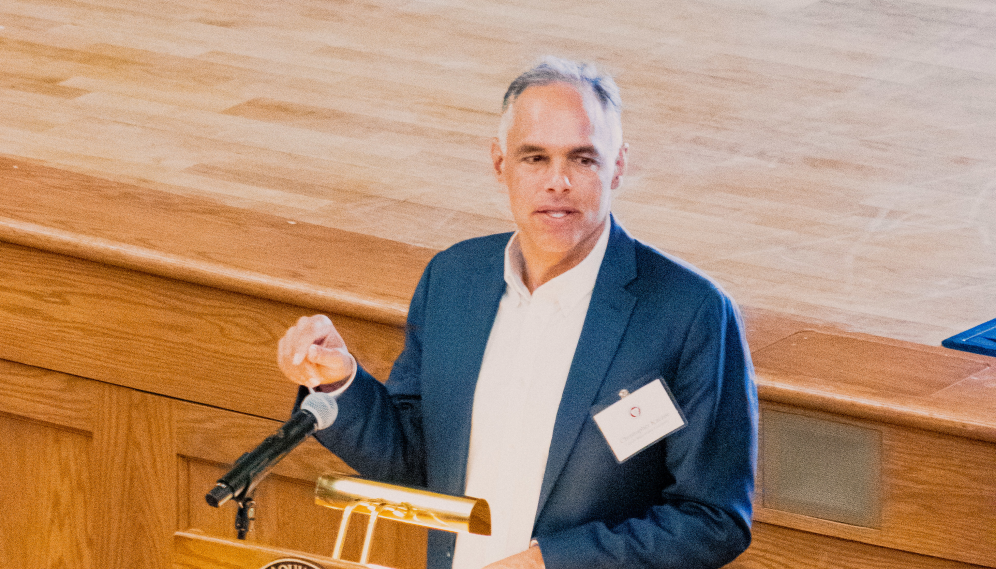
{"type": "Point", "coordinates": [134, 479]}
{"type": "Point", "coordinates": [45, 495]}
{"type": "Point", "coordinates": [95, 475]}
{"type": "Point", "coordinates": [157, 334]}
{"type": "Point", "coordinates": [201, 241]}
{"type": "Point", "coordinates": [777, 547]}
{"type": "Point", "coordinates": [198, 551]}
{"type": "Point", "coordinates": [830, 159]}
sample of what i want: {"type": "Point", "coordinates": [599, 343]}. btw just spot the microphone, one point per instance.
{"type": "Point", "coordinates": [317, 412]}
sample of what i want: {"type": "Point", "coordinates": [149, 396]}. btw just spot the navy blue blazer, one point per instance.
{"type": "Point", "coordinates": [682, 502]}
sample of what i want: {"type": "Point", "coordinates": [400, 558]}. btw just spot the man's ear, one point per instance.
{"type": "Point", "coordinates": [620, 166]}
{"type": "Point", "coordinates": [498, 159]}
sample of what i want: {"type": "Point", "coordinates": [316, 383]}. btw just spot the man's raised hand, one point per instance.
{"type": "Point", "coordinates": [312, 353]}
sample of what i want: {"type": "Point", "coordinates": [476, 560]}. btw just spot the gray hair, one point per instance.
{"type": "Point", "coordinates": [582, 76]}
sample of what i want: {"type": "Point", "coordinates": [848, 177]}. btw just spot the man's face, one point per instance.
{"type": "Point", "coordinates": [560, 167]}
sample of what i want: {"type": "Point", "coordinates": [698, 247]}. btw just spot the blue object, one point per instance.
{"type": "Point", "coordinates": [978, 340]}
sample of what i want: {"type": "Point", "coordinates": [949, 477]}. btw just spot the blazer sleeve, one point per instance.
{"type": "Point", "coordinates": [703, 517]}
{"type": "Point", "coordinates": [378, 431]}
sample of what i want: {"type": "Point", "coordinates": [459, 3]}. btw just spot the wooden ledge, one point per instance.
{"type": "Point", "coordinates": [203, 242]}
{"type": "Point", "coordinates": [820, 367]}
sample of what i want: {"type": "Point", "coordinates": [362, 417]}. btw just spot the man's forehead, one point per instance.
{"type": "Point", "coordinates": [550, 96]}
{"type": "Point", "coordinates": [558, 109]}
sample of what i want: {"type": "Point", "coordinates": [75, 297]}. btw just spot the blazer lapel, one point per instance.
{"type": "Point", "coordinates": [604, 326]}
{"type": "Point", "coordinates": [474, 309]}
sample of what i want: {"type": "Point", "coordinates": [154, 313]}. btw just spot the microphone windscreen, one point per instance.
{"type": "Point", "coordinates": [323, 407]}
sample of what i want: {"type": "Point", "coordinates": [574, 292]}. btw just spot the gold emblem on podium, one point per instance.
{"type": "Point", "coordinates": [291, 564]}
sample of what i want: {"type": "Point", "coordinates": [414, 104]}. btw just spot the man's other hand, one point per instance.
{"type": "Point", "coordinates": [312, 353]}
{"type": "Point", "coordinates": [528, 559]}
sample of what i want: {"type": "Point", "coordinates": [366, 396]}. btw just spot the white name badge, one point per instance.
{"type": "Point", "coordinates": [639, 420]}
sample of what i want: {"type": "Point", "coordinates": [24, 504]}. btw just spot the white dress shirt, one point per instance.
{"type": "Point", "coordinates": [525, 367]}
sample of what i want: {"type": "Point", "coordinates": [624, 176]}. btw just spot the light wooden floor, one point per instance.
{"type": "Point", "coordinates": [829, 159]}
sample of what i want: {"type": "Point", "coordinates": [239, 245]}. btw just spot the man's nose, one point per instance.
{"type": "Point", "coordinates": [560, 179]}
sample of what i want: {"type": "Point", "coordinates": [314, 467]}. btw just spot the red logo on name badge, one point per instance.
{"type": "Point", "coordinates": [634, 412]}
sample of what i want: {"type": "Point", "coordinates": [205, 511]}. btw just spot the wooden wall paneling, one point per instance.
{"type": "Point", "coordinates": [47, 396]}
{"type": "Point", "coordinates": [131, 329]}
{"type": "Point", "coordinates": [45, 495]}
{"type": "Point", "coordinates": [183, 340]}
{"type": "Point", "coordinates": [775, 547]}
{"type": "Point", "coordinates": [942, 495]}
{"type": "Point", "coordinates": [45, 479]}
{"type": "Point", "coordinates": [938, 495]}
{"type": "Point", "coordinates": [98, 475]}
{"type": "Point", "coordinates": [135, 479]}
{"type": "Point", "coordinates": [157, 334]}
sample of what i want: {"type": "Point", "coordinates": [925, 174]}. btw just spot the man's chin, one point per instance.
{"type": "Point", "coordinates": [566, 249]}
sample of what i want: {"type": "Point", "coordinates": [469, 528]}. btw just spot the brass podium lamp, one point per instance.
{"type": "Point", "coordinates": [399, 503]}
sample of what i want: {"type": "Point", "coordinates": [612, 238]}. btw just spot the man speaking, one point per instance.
{"type": "Point", "coordinates": [598, 393]}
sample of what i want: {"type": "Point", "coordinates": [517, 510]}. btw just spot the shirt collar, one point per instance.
{"type": "Point", "coordinates": [567, 289]}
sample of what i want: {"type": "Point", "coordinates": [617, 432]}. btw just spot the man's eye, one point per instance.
{"type": "Point", "coordinates": [587, 161]}
{"type": "Point", "coordinates": [533, 159]}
